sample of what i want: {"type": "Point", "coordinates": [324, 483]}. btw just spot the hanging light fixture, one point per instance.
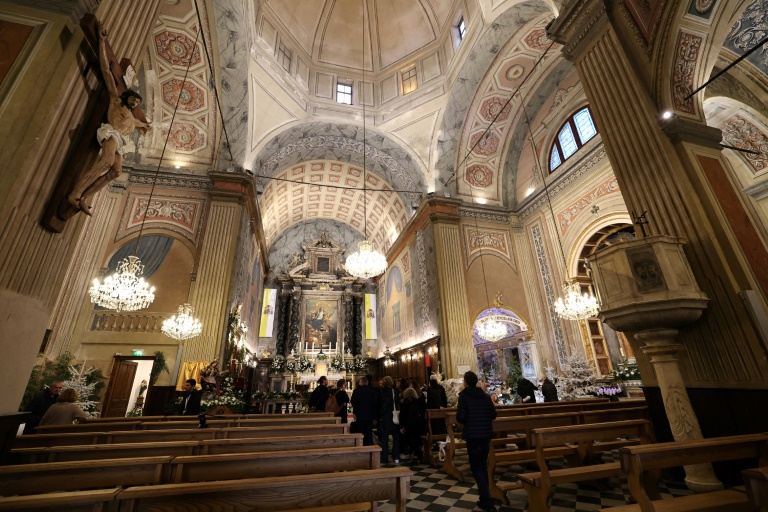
{"type": "Point", "coordinates": [182, 326]}
{"type": "Point", "coordinates": [367, 262]}
{"type": "Point", "coordinates": [575, 304]}
{"type": "Point", "coordinates": [126, 290]}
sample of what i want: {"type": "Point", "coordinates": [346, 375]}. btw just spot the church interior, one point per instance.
{"type": "Point", "coordinates": [341, 188]}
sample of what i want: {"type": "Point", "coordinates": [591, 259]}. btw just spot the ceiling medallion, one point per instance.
{"type": "Point", "coordinates": [576, 305]}
{"type": "Point", "coordinates": [367, 262]}
{"type": "Point", "coordinates": [182, 326]}
{"type": "Point", "coordinates": [125, 290]}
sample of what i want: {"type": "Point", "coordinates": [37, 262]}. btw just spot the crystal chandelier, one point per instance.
{"type": "Point", "coordinates": [367, 262]}
{"type": "Point", "coordinates": [182, 326]}
{"type": "Point", "coordinates": [577, 305]}
{"type": "Point", "coordinates": [125, 290]}
{"type": "Point", "coordinates": [492, 328]}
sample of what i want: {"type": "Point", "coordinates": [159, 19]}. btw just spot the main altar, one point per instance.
{"type": "Point", "coordinates": [319, 318]}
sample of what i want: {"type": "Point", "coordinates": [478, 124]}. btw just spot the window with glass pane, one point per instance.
{"type": "Point", "coordinates": [409, 81]}
{"type": "Point", "coordinates": [554, 159]}
{"type": "Point", "coordinates": [284, 57]}
{"type": "Point", "coordinates": [567, 141]}
{"type": "Point", "coordinates": [462, 28]}
{"type": "Point", "coordinates": [344, 93]}
{"type": "Point", "coordinates": [584, 125]}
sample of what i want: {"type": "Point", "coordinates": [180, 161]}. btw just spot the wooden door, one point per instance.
{"type": "Point", "coordinates": [120, 387]}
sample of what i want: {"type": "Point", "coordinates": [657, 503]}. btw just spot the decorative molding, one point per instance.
{"type": "Point", "coordinates": [739, 132]}
{"type": "Point", "coordinates": [180, 214]}
{"type": "Point", "coordinates": [492, 217]}
{"type": "Point", "coordinates": [549, 291]}
{"type": "Point", "coordinates": [684, 70]}
{"type": "Point", "coordinates": [166, 180]}
{"type": "Point", "coordinates": [426, 324]}
{"type": "Point", "coordinates": [566, 217]}
{"type": "Point", "coordinates": [483, 240]}
{"type": "Point", "coordinates": [564, 182]}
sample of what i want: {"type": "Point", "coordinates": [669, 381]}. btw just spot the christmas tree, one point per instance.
{"type": "Point", "coordinates": [577, 378]}
{"type": "Point", "coordinates": [77, 381]}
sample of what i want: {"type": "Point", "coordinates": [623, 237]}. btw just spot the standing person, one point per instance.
{"type": "Point", "coordinates": [190, 405]}
{"type": "Point", "coordinates": [549, 390]}
{"type": "Point", "coordinates": [40, 404]}
{"type": "Point", "coordinates": [319, 395]}
{"type": "Point", "coordinates": [436, 399]}
{"type": "Point", "coordinates": [389, 401]}
{"type": "Point", "coordinates": [365, 407]}
{"type": "Point", "coordinates": [65, 411]}
{"type": "Point", "coordinates": [525, 389]}
{"type": "Point", "coordinates": [342, 399]}
{"type": "Point", "coordinates": [476, 412]}
{"type": "Point", "coordinates": [412, 423]}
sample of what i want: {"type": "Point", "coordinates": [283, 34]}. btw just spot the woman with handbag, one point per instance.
{"type": "Point", "coordinates": [389, 419]}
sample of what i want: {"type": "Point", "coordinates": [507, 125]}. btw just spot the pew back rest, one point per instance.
{"type": "Point", "coordinates": [88, 427]}
{"type": "Point", "coordinates": [576, 434]}
{"type": "Point", "coordinates": [269, 444]}
{"type": "Point", "coordinates": [620, 414]}
{"type": "Point", "coordinates": [682, 453]}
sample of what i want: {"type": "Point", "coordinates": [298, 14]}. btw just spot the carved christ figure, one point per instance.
{"type": "Point", "coordinates": [112, 137]}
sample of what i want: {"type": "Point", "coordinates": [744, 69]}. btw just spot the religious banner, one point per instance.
{"type": "Point", "coordinates": [370, 316]}
{"type": "Point", "coordinates": [268, 313]}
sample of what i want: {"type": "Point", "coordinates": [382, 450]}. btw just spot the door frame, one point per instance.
{"type": "Point", "coordinates": [115, 363]}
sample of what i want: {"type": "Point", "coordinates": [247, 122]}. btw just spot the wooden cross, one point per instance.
{"type": "Point", "coordinates": [85, 149]}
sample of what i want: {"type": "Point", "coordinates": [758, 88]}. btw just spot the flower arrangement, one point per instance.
{"type": "Point", "coordinates": [337, 364]}
{"type": "Point", "coordinates": [278, 364]}
{"type": "Point", "coordinates": [228, 397]}
{"type": "Point", "coordinates": [609, 391]}
{"type": "Point", "coordinates": [275, 395]}
{"type": "Point", "coordinates": [304, 365]}
{"type": "Point", "coordinates": [322, 356]}
{"type": "Point", "coordinates": [625, 371]}
{"type": "Point", "coordinates": [360, 364]}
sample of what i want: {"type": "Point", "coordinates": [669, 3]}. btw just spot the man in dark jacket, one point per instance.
{"type": "Point", "coordinates": [40, 404]}
{"type": "Point", "coordinates": [190, 404]}
{"type": "Point", "coordinates": [319, 396]}
{"type": "Point", "coordinates": [342, 399]}
{"type": "Point", "coordinates": [389, 401]}
{"type": "Point", "coordinates": [525, 389]}
{"type": "Point", "coordinates": [366, 408]}
{"type": "Point", "coordinates": [476, 412]}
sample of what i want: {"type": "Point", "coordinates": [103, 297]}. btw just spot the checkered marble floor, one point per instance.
{"type": "Point", "coordinates": [434, 491]}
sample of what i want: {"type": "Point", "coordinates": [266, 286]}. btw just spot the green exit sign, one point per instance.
{"type": "Point", "coordinates": [137, 352]}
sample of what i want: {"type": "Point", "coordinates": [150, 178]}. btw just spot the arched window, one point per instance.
{"type": "Point", "coordinates": [574, 133]}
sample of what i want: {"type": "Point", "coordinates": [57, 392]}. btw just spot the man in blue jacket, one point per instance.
{"type": "Point", "coordinates": [476, 412]}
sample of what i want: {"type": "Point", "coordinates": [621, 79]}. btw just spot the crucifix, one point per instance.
{"type": "Point", "coordinates": [640, 220]}
{"type": "Point", "coordinates": [85, 173]}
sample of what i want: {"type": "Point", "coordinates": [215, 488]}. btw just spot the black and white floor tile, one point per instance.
{"type": "Point", "coordinates": [434, 491]}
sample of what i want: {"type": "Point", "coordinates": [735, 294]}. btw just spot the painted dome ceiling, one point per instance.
{"type": "Point", "coordinates": [330, 32]}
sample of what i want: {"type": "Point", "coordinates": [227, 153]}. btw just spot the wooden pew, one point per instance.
{"type": "Point", "coordinates": [583, 443]}
{"type": "Point", "coordinates": [332, 492]}
{"type": "Point", "coordinates": [756, 482]}
{"type": "Point", "coordinates": [44, 440]}
{"type": "Point", "coordinates": [296, 419]}
{"type": "Point", "coordinates": [431, 438]}
{"type": "Point", "coordinates": [88, 427]}
{"type": "Point", "coordinates": [156, 436]}
{"type": "Point", "coordinates": [268, 444]}
{"type": "Point", "coordinates": [171, 425]}
{"type": "Point", "coordinates": [278, 431]}
{"type": "Point", "coordinates": [76, 476]}
{"type": "Point", "coordinates": [80, 501]}
{"type": "Point", "coordinates": [231, 466]}
{"type": "Point", "coordinates": [644, 465]}
{"type": "Point", "coordinates": [102, 451]}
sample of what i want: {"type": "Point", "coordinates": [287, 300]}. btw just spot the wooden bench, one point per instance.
{"type": "Point", "coordinates": [431, 437]}
{"type": "Point", "coordinates": [80, 501]}
{"type": "Point", "coordinates": [644, 464]}
{"type": "Point", "coordinates": [582, 445]}
{"type": "Point", "coordinates": [101, 451]}
{"type": "Point", "coordinates": [45, 440]}
{"type": "Point", "coordinates": [268, 444]}
{"type": "Point", "coordinates": [332, 492]}
{"type": "Point", "coordinates": [278, 431]}
{"type": "Point", "coordinates": [76, 476]}
{"type": "Point", "coordinates": [88, 427]}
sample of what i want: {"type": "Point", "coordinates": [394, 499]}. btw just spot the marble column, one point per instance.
{"type": "Point", "coordinates": [294, 335]}
{"type": "Point", "coordinates": [456, 332]}
{"type": "Point", "coordinates": [662, 349]}
{"type": "Point", "coordinates": [349, 321]}
{"type": "Point", "coordinates": [283, 314]}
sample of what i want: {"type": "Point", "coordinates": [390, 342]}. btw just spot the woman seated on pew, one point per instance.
{"type": "Point", "coordinates": [65, 411]}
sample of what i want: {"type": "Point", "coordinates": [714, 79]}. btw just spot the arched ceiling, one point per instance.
{"type": "Point", "coordinates": [285, 204]}
{"type": "Point", "coordinates": [330, 32]}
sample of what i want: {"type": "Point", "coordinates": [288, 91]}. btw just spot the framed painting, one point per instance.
{"type": "Point", "coordinates": [321, 324]}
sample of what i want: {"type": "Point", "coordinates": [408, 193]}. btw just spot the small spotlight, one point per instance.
{"type": "Point", "coordinates": [481, 200]}
{"type": "Point", "coordinates": [177, 166]}
{"type": "Point", "coordinates": [530, 191]}
{"type": "Point", "coordinates": [667, 114]}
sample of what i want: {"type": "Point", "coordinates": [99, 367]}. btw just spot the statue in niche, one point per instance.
{"type": "Point", "coordinates": [209, 380]}
{"type": "Point", "coordinates": [296, 260]}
